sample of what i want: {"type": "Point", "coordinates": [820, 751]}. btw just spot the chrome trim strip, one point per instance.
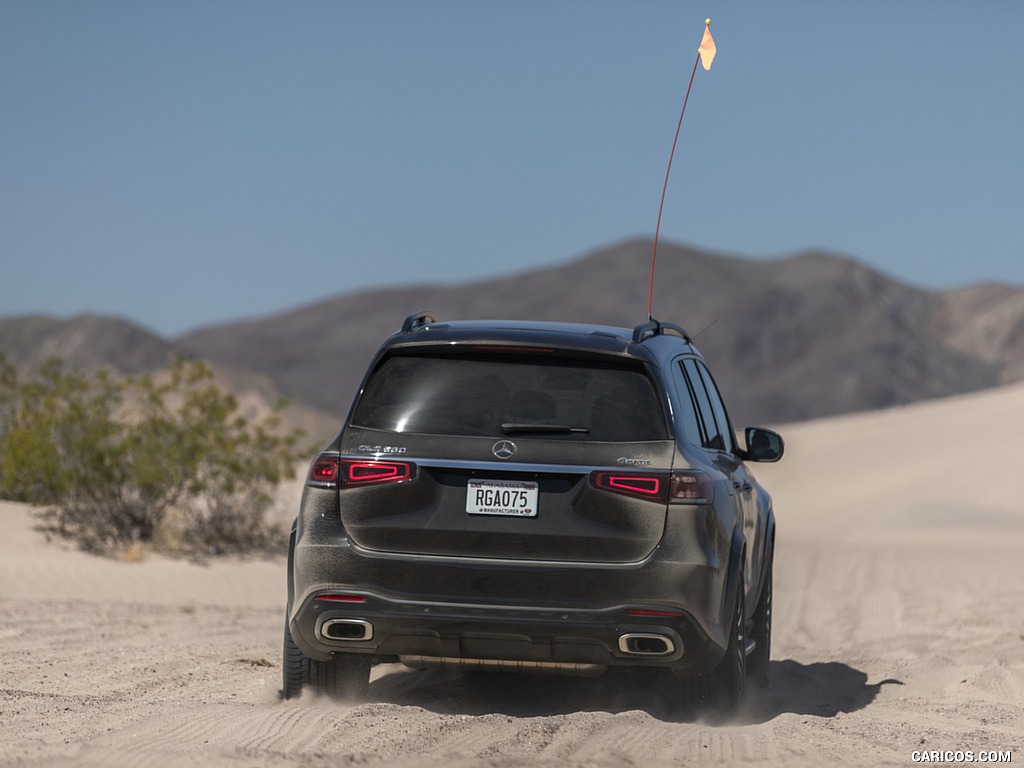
{"type": "Point", "coordinates": [496, 464]}
{"type": "Point", "coordinates": [448, 560]}
{"type": "Point", "coordinates": [501, 466]}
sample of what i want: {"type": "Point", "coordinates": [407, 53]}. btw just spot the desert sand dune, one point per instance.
{"type": "Point", "coordinates": [899, 629]}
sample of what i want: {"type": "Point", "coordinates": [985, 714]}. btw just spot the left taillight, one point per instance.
{"type": "Point", "coordinates": [324, 471]}
{"type": "Point", "coordinates": [356, 472]}
{"type": "Point", "coordinates": [330, 471]}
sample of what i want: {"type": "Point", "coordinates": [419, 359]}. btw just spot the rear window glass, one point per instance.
{"type": "Point", "coordinates": [501, 396]}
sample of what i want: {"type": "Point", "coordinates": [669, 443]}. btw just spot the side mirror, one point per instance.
{"type": "Point", "coordinates": [763, 444]}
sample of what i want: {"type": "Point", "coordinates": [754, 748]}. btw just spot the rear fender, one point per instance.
{"type": "Point", "coordinates": [736, 555]}
{"type": "Point", "coordinates": [769, 552]}
{"type": "Point", "coordinates": [291, 567]}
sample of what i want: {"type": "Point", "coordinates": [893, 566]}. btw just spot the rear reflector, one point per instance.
{"type": "Point", "coordinates": [642, 612]}
{"type": "Point", "coordinates": [342, 598]}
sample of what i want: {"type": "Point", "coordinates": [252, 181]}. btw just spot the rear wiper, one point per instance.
{"type": "Point", "coordinates": [512, 428]}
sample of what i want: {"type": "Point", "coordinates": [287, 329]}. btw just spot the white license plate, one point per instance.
{"type": "Point", "coordinates": [513, 498]}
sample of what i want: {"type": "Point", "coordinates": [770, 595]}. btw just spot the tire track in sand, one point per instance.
{"type": "Point", "coordinates": [282, 731]}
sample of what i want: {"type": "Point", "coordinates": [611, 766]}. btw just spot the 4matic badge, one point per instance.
{"type": "Point", "coordinates": [628, 462]}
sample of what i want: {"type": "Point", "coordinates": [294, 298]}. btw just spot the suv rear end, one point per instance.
{"type": "Point", "coordinates": [511, 496]}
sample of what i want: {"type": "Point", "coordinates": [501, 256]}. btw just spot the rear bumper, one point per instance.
{"type": "Point", "coordinates": [540, 614]}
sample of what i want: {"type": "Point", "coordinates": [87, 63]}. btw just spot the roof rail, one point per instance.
{"type": "Point", "coordinates": [417, 320]}
{"type": "Point", "coordinates": [654, 327]}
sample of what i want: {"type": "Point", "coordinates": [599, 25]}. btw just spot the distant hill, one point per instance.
{"type": "Point", "coordinates": [987, 322]}
{"type": "Point", "coordinates": [86, 341]}
{"type": "Point", "coordinates": [789, 339]}
{"type": "Point", "coordinates": [91, 342]}
{"type": "Point", "coordinates": [793, 338]}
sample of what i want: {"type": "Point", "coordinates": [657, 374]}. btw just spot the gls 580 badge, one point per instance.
{"type": "Point", "coordinates": [392, 449]}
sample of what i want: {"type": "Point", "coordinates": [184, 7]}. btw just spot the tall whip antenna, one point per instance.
{"type": "Point", "coordinates": [705, 55]}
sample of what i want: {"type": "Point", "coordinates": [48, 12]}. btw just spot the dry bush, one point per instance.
{"type": "Point", "coordinates": [165, 461]}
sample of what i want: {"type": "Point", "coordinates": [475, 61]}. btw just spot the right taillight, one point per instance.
{"type": "Point", "coordinates": [643, 485]}
{"type": "Point", "coordinates": [689, 486]}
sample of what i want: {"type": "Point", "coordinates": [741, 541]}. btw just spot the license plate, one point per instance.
{"type": "Point", "coordinates": [512, 498]}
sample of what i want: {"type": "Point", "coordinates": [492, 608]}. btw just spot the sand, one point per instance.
{"type": "Point", "coordinates": [899, 629]}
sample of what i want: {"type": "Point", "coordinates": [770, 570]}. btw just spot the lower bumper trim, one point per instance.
{"type": "Point", "coordinates": [505, 665]}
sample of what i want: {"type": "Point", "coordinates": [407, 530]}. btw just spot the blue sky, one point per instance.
{"type": "Point", "coordinates": [191, 162]}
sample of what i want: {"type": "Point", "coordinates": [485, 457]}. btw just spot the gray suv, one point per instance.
{"type": "Point", "coordinates": [529, 496]}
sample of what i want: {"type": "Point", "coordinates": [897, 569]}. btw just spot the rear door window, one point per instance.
{"type": "Point", "coordinates": [689, 416]}
{"type": "Point", "coordinates": [728, 442]}
{"type": "Point", "coordinates": [524, 394]}
{"type": "Point", "coordinates": [716, 432]}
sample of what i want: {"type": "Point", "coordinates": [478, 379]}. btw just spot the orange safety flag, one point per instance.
{"type": "Point", "coordinates": [707, 48]}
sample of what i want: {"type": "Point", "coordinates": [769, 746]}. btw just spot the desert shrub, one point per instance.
{"type": "Point", "coordinates": [165, 459]}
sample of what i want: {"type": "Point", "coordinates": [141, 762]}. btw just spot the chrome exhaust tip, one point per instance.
{"type": "Point", "coordinates": [346, 630]}
{"type": "Point", "coordinates": [643, 644]}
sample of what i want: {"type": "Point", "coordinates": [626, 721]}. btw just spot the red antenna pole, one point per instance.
{"type": "Point", "coordinates": [702, 52]}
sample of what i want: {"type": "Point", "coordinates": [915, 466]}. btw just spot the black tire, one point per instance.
{"type": "Point", "coordinates": [723, 688]}
{"type": "Point", "coordinates": [294, 667]}
{"type": "Point", "coordinates": [758, 663]}
{"type": "Point", "coordinates": [343, 677]}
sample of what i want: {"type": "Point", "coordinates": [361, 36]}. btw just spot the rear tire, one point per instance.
{"type": "Point", "coordinates": [723, 688]}
{"type": "Point", "coordinates": [343, 677]}
{"type": "Point", "coordinates": [294, 667]}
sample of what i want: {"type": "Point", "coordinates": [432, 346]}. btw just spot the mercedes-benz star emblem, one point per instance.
{"type": "Point", "coordinates": [504, 449]}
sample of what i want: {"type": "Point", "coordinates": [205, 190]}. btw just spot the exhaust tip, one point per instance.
{"type": "Point", "coordinates": [346, 630]}
{"type": "Point", "coordinates": [643, 644]}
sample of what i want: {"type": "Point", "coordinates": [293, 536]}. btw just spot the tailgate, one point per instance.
{"type": "Point", "coordinates": [538, 504]}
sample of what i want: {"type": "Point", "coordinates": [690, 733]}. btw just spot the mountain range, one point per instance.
{"type": "Point", "coordinates": [794, 338]}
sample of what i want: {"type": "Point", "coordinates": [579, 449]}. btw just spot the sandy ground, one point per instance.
{"type": "Point", "coordinates": [899, 628]}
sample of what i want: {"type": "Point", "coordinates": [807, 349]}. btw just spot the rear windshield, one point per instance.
{"type": "Point", "coordinates": [523, 395]}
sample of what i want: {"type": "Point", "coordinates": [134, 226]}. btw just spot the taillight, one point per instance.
{"type": "Point", "coordinates": [324, 471]}
{"type": "Point", "coordinates": [331, 471]}
{"type": "Point", "coordinates": [358, 473]}
{"type": "Point", "coordinates": [691, 487]}
{"type": "Point", "coordinates": [506, 348]}
{"type": "Point", "coordinates": [646, 486]}
{"type": "Point", "coordinates": [679, 487]}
